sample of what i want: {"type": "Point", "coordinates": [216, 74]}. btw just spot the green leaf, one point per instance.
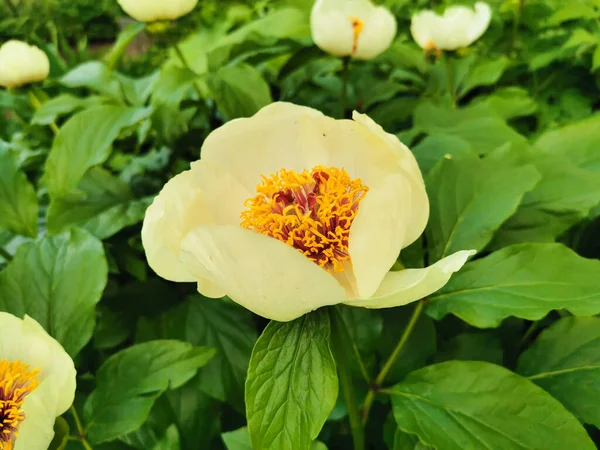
{"type": "Point", "coordinates": [129, 382]}
{"type": "Point", "coordinates": [58, 281]}
{"type": "Point", "coordinates": [527, 281]}
{"type": "Point", "coordinates": [586, 135]}
{"type": "Point", "coordinates": [18, 201]}
{"type": "Point", "coordinates": [240, 91]}
{"type": "Point", "coordinates": [103, 205]}
{"type": "Point", "coordinates": [84, 142]}
{"type": "Point", "coordinates": [510, 102]}
{"type": "Point", "coordinates": [565, 361]}
{"type": "Point", "coordinates": [61, 105]}
{"type": "Point", "coordinates": [563, 197]}
{"type": "Point", "coordinates": [125, 37]}
{"type": "Point", "coordinates": [240, 440]}
{"type": "Point", "coordinates": [484, 74]}
{"type": "Point", "coordinates": [96, 76]}
{"type": "Point", "coordinates": [61, 434]}
{"type": "Point", "coordinates": [596, 59]}
{"type": "Point", "coordinates": [479, 126]}
{"type": "Point", "coordinates": [237, 440]}
{"type": "Point", "coordinates": [436, 147]}
{"type": "Point", "coordinates": [292, 384]}
{"type": "Point", "coordinates": [405, 441]}
{"type": "Point", "coordinates": [470, 199]}
{"type": "Point", "coordinates": [461, 405]}
{"type": "Point", "coordinates": [230, 329]}
{"type": "Point", "coordinates": [170, 440]}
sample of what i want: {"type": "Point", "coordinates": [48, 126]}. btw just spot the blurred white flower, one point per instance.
{"type": "Point", "coordinates": [21, 64]}
{"type": "Point", "coordinates": [291, 210]}
{"type": "Point", "coordinates": [37, 384]}
{"type": "Point", "coordinates": [458, 27]}
{"type": "Point", "coordinates": [354, 28]}
{"type": "Point", "coordinates": [154, 10]}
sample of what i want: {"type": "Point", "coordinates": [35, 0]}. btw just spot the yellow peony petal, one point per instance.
{"type": "Point", "coordinates": [26, 341]}
{"type": "Point", "coordinates": [153, 10]}
{"type": "Point", "coordinates": [416, 218]}
{"type": "Point", "coordinates": [406, 286]}
{"type": "Point", "coordinates": [260, 273]}
{"type": "Point", "coordinates": [279, 136]}
{"type": "Point", "coordinates": [37, 430]}
{"type": "Point", "coordinates": [377, 35]}
{"type": "Point", "coordinates": [377, 233]}
{"type": "Point", "coordinates": [180, 206]}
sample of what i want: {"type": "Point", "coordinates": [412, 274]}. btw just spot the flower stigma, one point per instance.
{"type": "Point", "coordinates": [16, 382]}
{"type": "Point", "coordinates": [311, 211]}
{"type": "Point", "coordinates": [357, 27]}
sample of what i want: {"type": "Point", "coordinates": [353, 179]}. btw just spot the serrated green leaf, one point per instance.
{"type": "Point", "coordinates": [526, 281]}
{"type": "Point", "coordinates": [103, 205]}
{"type": "Point", "coordinates": [471, 199]}
{"type": "Point", "coordinates": [239, 91]}
{"type": "Point", "coordinates": [565, 361]}
{"type": "Point", "coordinates": [18, 201]}
{"type": "Point", "coordinates": [461, 405]}
{"type": "Point", "coordinates": [129, 382]}
{"type": "Point", "coordinates": [292, 383]}
{"type": "Point", "coordinates": [84, 142]}
{"type": "Point", "coordinates": [58, 281]}
{"type": "Point", "coordinates": [230, 329]}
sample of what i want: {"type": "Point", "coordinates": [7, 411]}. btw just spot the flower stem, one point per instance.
{"type": "Point", "coordinates": [450, 79]}
{"type": "Point", "coordinates": [391, 360]}
{"type": "Point", "coordinates": [344, 92]}
{"type": "Point", "coordinates": [80, 429]}
{"type": "Point", "coordinates": [35, 102]}
{"type": "Point", "coordinates": [185, 63]}
{"type": "Point", "coordinates": [339, 343]}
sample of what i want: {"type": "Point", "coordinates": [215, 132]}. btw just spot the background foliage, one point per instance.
{"type": "Point", "coordinates": [507, 355]}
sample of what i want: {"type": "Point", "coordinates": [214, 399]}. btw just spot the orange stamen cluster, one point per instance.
{"type": "Point", "coordinates": [16, 382]}
{"type": "Point", "coordinates": [357, 27]}
{"type": "Point", "coordinates": [311, 211]}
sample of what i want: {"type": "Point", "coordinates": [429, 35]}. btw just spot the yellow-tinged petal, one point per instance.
{"type": "Point", "coordinates": [416, 218]}
{"type": "Point", "coordinates": [180, 206]}
{"type": "Point", "coordinates": [26, 341]}
{"type": "Point", "coordinates": [406, 286]}
{"type": "Point", "coordinates": [260, 273]}
{"type": "Point", "coordinates": [377, 233]}
{"type": "Point", "coordinates": [377, 35]}
{"type": "Point", "coordinates": [37, 430]}
{"type": "Point", "coordinates": [21, 64]}
{"type": "Point", "coordinates": [280, 135]}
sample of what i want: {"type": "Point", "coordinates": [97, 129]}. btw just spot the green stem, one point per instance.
{"type": "Point", "coordinates": [35, 102]}
{"type": "Point", "coordinates": [12, 7]}
{"type": "Point", "coordinates": [185, 63]}
{"type": "Point", "coordinates": [80, 429]}
{"type": "Point", "coordinates": [7, 256]}
{"type": "Point", "coordinates": [391, 360]}
{"type": "Point", "coordinates": [532, 329]}
{"type": "Point", "coordinates": [344, 92]}
{"type": "Point", "coordinates": [450, 79]}
{"type": "Point", "coordinates": [339, 339]}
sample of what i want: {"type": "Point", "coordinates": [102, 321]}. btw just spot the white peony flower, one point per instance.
{"type": "Point", "coordinates": [352, 28]}
{"type": "Point", "coordinates": [37, 384]}
{"type": "Point", "coordinates": [458, 27]}
{"type": "Point", "coordinates": [290, 210]}
{"type": "Point", "coordinates": [21, 64]}
{"type": "Point", "coordinates": [154, 10]}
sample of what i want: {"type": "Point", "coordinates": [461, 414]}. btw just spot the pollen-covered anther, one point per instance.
{"type": "Point", "coordinates": [311, 211]}
{"type": "Point", "coordinates": [17, 381]}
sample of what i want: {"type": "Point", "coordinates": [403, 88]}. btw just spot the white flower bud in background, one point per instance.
{"type": "Point", "coordinates": [21, 64]}
{"type": "Point", "coordinates": [354, 28]}
{"type": "Point", "coordinates": [458, 27]}
{"type": "Point", "coordinates": [155, 10]}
